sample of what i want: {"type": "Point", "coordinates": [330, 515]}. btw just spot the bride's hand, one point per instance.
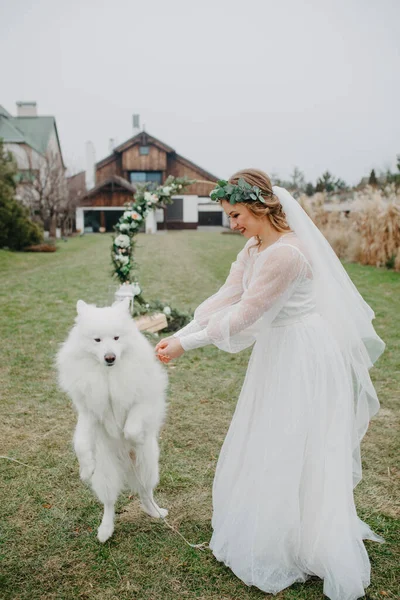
{"type": "Point", "coordinates": [161, 343]}
{"type": "Point", "coordinates": [168, 349]}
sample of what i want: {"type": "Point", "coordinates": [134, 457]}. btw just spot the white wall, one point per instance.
{"type": "Point", "coordinates": [52, 145]}
{"type": "Point", "coordinates": [151, 223]}
{"type": "Point", "coordinates": [210, 207]}
{"type": "Point", "coordinates": [80, 219]}
{"type": "Point", "coordinates": [159, 215]}
{"type": "Point", "coordinates": [190, 213]}
{"type": "Point", "coordinates": [21, 153]}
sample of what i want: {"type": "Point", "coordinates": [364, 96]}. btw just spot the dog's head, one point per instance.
{"type": "Point", "coordinates": [104, 332]}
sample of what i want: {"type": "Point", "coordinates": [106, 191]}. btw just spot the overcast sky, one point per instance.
{"type": "Point", "coordinates": [228, 84]}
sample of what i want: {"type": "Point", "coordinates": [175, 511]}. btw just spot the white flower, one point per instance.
{"type": "Point", "coordinates": [136, 288]}
{"type": "Point", "coordinates": [123, 227]}
{"type": "Point", "coordinates": [150, 198]}
{"type": "Point", "coordinates": [122, 241]}
{"type": "Point", "coordinates": [127, 214]}
{"type": "Point", "coordinates": [179, 187]}
{"type": "Point", "coordinates": [167, 311]}
{"type": "Point", "coordinates": [167, 190]}
{"type": "Point", "coordinates": [147, 305]}
{"type": "Point", "coordinates": [121, 259]}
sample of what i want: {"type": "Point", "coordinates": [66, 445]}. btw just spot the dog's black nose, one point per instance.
{"type": "Point", "coordinates": [109, 358]}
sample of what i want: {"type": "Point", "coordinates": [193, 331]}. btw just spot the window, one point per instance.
{"type": "Point", "coordinates": [144, 176]}
{"type": "Point", "coordinates": [143, 150]}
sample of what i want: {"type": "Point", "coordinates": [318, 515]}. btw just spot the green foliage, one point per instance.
{"type": "Point", "coordinates": [372, 178]}
{"type": "Point", "coordinates": [390, 263]}
{"type": "Point", "coordinates": [310, 189]}
{"type": "Point", "coordinates": [242, 192]}
{"type": "Point", "coordinates": [146, 198]}
{"type": "Point", "coordinates": [176, 319]}
{"type": "Point", "coordinates": [16, 229]}
{"type": "Point", "coordinates": [394, 177]}
{"type": "Point", "coordinates": [328, 183]}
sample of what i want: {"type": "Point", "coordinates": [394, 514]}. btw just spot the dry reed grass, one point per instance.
{"type": "Point", "coordinates": [369, 233]}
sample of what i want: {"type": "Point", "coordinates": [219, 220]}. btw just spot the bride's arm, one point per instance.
{"type": "Point", "coordinates": [229, 294]}
{"type": "Point", "coordinates": [276, 275]}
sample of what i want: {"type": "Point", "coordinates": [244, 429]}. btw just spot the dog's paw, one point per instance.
{"type": "Point", "coordinates": [154, 511]}
{"type": "Point", "coordinates": [163, 513]}
{"type": "Point", "coordinates": [86, 471]}
{"type": "Point", "coordinates": [104, 532]}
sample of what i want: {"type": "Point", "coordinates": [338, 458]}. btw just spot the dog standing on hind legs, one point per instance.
{"type": "Point", "coordinates": [110, 372]}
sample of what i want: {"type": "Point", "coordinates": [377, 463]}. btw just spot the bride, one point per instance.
{"type": "Point", "coordinates": [283, 506]}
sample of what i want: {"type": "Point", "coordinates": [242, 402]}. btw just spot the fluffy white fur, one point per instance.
{"type": "Point", "coordinates": [118, 388]}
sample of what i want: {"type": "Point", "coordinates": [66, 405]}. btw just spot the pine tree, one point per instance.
{"type": "Point", "coordinates": [372, 178]}
{"type": "Point", "coordinates": [16, 229]}
{"type": "Point", "coordinates": [310, 190]}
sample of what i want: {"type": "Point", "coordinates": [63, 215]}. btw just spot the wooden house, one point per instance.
{"type": "Point", "coordinates": [144, 158]}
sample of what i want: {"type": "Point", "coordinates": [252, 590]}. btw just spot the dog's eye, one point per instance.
{"type": "Point", "coordinates": [116, 337]}
{"type": "Point", "coordinates": [97, 339]}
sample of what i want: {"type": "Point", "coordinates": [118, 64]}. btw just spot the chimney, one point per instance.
{"type": "Point", "coordinates": [26, 109]}
{"type": "Point", "coordinates": [136, 124]}
{"type": "Point", "coordinates": [90, 176]}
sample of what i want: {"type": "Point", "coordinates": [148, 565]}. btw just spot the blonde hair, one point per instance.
{"type": "Point", "coordinates": [272, 209]}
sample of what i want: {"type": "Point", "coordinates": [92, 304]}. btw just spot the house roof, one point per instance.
{"type": "Point", "coordinates": [4, 112]}
{"type": "Point", "coordinates": [10, 133]}
{"type": "Point", "coordinates": [114, 179]}
{"type": "Point", "coordinates": [144, 139]}
{"type": "Point", "coordinates": [33, 131]}
{"type": "Point", "coordinates": [36, 129]}
{"type": "Point", "coordinates": [191, 164]}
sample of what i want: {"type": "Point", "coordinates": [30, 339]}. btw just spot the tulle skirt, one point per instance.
{"type": "Point", "coordinates": [283, 506]}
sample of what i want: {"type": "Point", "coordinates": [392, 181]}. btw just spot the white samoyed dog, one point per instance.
{"type": "Point", "coordinates": [118, 387]}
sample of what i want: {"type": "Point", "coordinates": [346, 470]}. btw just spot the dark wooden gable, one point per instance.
{"type": "Point", "coordinates": [114, 191]}
{"type": "Point", "coordinates": [159, 157]}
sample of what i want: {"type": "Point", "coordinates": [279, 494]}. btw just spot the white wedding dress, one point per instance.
{"type": "Point", "coordinates": [283, 506]}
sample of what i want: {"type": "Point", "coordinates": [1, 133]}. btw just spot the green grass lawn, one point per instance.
{"type": "Point", "coordinates": [49, 518]}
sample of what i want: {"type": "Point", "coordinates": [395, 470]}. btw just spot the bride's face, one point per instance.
{"type": "Point", "coordinates": [241, 219]}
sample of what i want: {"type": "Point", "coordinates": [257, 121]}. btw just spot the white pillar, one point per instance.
{"type": "Point", "coordinates": [151, 223]}
{"type": "Point", "coordinates": [80, 219]}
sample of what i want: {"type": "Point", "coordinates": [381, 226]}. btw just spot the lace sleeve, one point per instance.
{"type": "Point", "coordinates": [230, 293]}
{"type": "Point", "coordinates": [276, 275]}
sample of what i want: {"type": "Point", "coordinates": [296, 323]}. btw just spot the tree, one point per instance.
{"type": "Point", "coordinates": [297, 181]}
{"type": "Point", "coordinates": [44, 189]}
{"type": "Point", "coordinates": [16, 229]}
{"type": "Point", "coordinates": [394, 177]}
{"type": "Point", "coordinates": [372, 178]}
{"type": "Point", "coordinates": [310, 190]}
{"type": "Point", "coordinates": [327, 183]}
{"type": "Point", "coordinates": [340, 185]}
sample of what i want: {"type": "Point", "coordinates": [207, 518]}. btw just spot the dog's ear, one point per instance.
{"type": "Point", "coordinates": [81, 307]}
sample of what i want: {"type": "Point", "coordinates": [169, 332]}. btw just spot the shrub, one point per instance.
{"type": "Point", "coordinates": [16, 229]}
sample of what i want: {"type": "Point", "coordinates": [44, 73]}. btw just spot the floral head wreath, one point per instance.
{"type": "Point", "coordinates": [241, 192]}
